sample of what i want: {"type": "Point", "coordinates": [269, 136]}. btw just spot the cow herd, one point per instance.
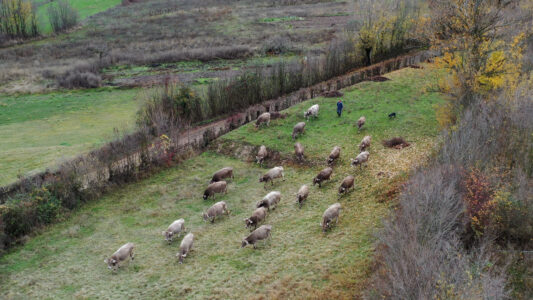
{"type": "Point", "coordinates": [218, 185]}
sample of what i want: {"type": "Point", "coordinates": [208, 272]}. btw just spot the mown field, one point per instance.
{"type": "Point", "coordinates": [38, 131]}
{"type": "Point", "coordinates": [66, 259]}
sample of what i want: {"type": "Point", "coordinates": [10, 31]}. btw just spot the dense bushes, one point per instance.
{"type": "Point", "coordinates": [62, 16]}
{"type": "Point", "coordinates": [17, 19]}
{"type": "Point", "coordinates": [477, 190]}
{"type": "Point", "coordinates": [80, 80]}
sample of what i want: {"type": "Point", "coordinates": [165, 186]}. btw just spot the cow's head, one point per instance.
{"type": "Point", "coordinates": [206, 194]}
{"type": "Point", "coordinates": [248, 222]}
{"type": "Point", "coordinates": [111, 263]}
{"type": "Point", "coordinates": [168, 235]}
{"type": "Point", "coordinates": [205, 216]}
{"type": "Point", "coordinates": [354, 162]}
{"type": "Point", "coordinates": [180, 257]}
{"type": "Point", "coordinates": [244, 243]}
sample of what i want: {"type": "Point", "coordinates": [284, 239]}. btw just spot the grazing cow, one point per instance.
{"type": "Point", "coordinates": [272, 174]}
{"type": "Point", "coordinates": [185, 247]}
{"type": "Point", "coordinates": [346, 184]}
{"type": "Point", "coordinates": [299, 151]}
{"type": "Point", "coordinates": [332, 213]}
{"type": "Point", "coordinates": [257, 217]}
{"type": "Point", "coordinates": [302, 194]}
{"type": "Point", "coordinates": [223, 173]}
{"type": "Point", "coordinates": [264, 118]}
{"type": "Point", "coordinates": [360, 159]}
{"type": "Point", "coordinates": [392, 115]}
{"type": "Point", "coordinates": [270, 200]}
{"type": "Point", "coordinates": [335, 153]}
{"type": "Point", "coordinates": [177, 227]}
{"type": "Point", "coordinates": [361, 122]}
{"type": "Point", "coordinates": [311, 111]}
{"type": "Point", "coordinates": [119, 256]}
{"type": "Point", "coordinates": [322, 176]}
{"type": "Point", "coordinates": [216, 210]}
{"type": "Point", "coordinates": [298, 129]}
{"type": "Point", "coordinates": [261, 155]}
{"type": "Point", "coordinates": [365, 143]}
{"type": "Point", "coordinates": [260, 233]}
{"type": "Point", "coordinates": [215, 187]}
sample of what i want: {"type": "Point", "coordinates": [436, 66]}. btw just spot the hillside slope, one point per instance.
{"type": "Point", "coordinates": [66, 260]}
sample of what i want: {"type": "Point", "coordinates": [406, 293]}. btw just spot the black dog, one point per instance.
{"type": "Point", "coordinates": [392, 115]}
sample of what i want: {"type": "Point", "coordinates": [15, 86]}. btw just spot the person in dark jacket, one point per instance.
{"type": "Point", "coordinates": [339, 107]}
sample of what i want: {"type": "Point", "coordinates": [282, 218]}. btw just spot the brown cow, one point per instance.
{"type": "Point", "coordinates": [322, 176]}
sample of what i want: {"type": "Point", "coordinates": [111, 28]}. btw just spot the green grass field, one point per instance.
{"type": "Point", "coordinates": [38, 131]}
{"type": "Point", "coordinates": [66, 260]}
{"type": "Point", "coordinates": [85, 8]}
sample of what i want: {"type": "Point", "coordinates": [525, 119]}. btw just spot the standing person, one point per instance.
{"type": "Point", "coordinates": [339, 107]}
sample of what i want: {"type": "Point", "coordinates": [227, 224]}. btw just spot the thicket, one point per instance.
{"type": "Point", "coordinates": [62, 16]}
{"type": "Point", "coordinates": [476, 196]}
{"type": "Point", "coordinates": [17, 19]}
{"type": "Point", "coordinates": [458, 215]}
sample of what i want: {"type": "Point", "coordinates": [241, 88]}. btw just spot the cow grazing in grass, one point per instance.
{"type": "Point", "coordinates": [334, 155]}
{"type": "Point", "coordinates": [361, 122]}
{"type": "Point", "coordinates": [332, 213]}
{"type": "Point", "coordinates": [221, 174]}
{"type": "Point", "coordinates": [177, 227]}
{"type": "Point", "coordinates": [311, 112]}
{"type": "Point", "coordinates": [264, 118]}
{"type": "Point", "coordinates": [259, 234]}
{"type": "Point", "coordinates": [215, 187]}
{"type": "Point", "coordinates": [257, 217]}
{"type": "Point", "coordinates": [347, 183]}
{"type": "Point", "coordinates": [120, 255]}
{"type": "Point", "coordinates": [302, 194]}
{"type": "Point", "coordinates": [365, 143]}
{"type": "Point", "coordinates": [216, 210]}
{"type": "Point", "coordinates": [360, 159]}
{"type": "Point", "coordinates": [271, 200]}
{"type": "Point", "coordinates": [261, 155]}
{"type": "Point", "coordinates": [276, 172]}
{"type": "Point", "coordinates": [185, 247]}
{"type": "Point", "coordinates": [299, 151]}
{"type": "Point", "coordinates": [322, 176]}
{"type": "Point", "coordinates": [298, 129]}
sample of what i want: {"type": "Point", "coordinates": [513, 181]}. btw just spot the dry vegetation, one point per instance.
{"type": "Point", "coordinates": [153, 32]}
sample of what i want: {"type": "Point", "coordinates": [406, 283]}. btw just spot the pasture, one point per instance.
{"type": "Point", "coordinates": [38, 131]}
{"type": "Point", "coordinates": [65, 260]}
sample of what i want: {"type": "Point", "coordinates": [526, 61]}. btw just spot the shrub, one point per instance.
{"type": "Point", "coordinates": [48, 206]}
{"type": "Point", "coordinates": [172, 106]}
{"type": "Point", "coordinates": [62, 16]}
{"type": "Point", "coordinates": [420, 256]}
{"type": "Point", "coordinates": [80, 80]}
{"type": "Point", "coordinates": [17, 19]}
{"type": "Point", "coordinates": [277, 45]}
{"type": "Point", "coordinates": [512, 214]}
{"type": "Point", "coordinates": [478, 195]}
